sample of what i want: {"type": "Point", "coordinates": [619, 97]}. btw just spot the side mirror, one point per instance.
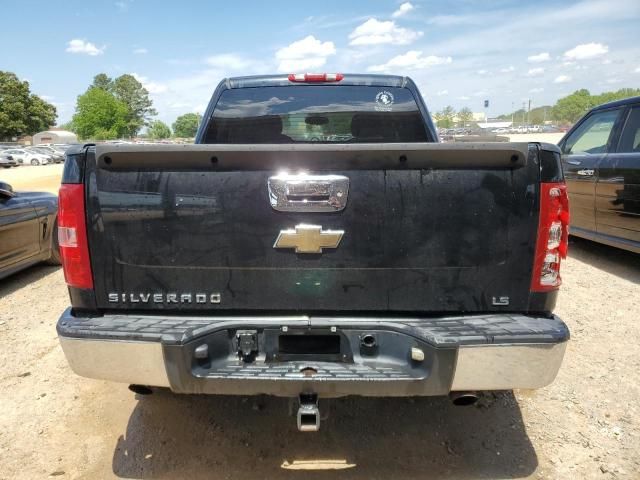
{"type": "Point", "coordinates": [6, 190]}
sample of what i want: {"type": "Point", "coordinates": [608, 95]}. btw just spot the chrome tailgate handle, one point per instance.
{"type": "Point", "coordinates": [308, 193]}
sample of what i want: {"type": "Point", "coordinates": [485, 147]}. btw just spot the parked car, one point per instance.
{"type": "Point", "coordinates": [7, 161]}
{"type": "Point", "coordinates": [56, 156]}
{"type": "Point", "coordinates": [601, 161]}
{"type": "Point", "coordinates": [24, 156]}
{"type": "Point", "coordinates": [28, 229]}
{"type": "Point", "coordinates": [259, 262]}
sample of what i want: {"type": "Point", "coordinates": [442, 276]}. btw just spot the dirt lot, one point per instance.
{"type": "Point", "coordinates": [585, 425]}
{"type": "Point", "coordinates": [43, 178]}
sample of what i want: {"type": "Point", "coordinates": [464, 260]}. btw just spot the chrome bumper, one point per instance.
{"type": "Point", "coordinates": [117, 360]}
{"type": "Point", "coordinates": [472, 352]}
{"type": "Point", "coordinates": [503, 367]}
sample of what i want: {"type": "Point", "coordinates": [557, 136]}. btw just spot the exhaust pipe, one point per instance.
{"type": "Point", "coordinates": [140, 389]}
{"type": "Point", "coordinates": [462, 399]}
{"type": "Point", "coordinates": [308, 413]}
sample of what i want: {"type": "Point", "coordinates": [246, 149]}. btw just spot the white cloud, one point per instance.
{"type": "Point", "coordinates": [375, 32]}
{"type": "Point", "coordinates": [539, 58]}
{"type": "Point", "coordinates": [405, 8]}
{"type": "Point", "coordinates": [479, 93]}
{"type": "Point", "coordinates": [586, 51]}
{"type": "Point", "coordinates": [442, 92]}
{"type": "Point", "coordinates": [536, 90]}
{"type": "Point", "coordinates": [82, 46]}
{"type": "Point", "coordinates": [411, 60]}
{"type": "Point", "coordinates": [562, 79]}
{"type": "Point", "coordinates": [482, 72]}
{"type": "Point", "coordinates": [508, 69]}
{"type": "Point", "coordinates": [304, 54]}
{"type": "Point", "coordinates": [140, 51]}
{"type": "Point", "coordinates": [535, 72]}
{"type": "Point", "coordinates": [464, 98]}
{"type": "Point", "coordinates": [612, 81]}
{"type": "Point", "coordinates": [152, 87]}
{"type": "Point", "coordinates": [637, 70]}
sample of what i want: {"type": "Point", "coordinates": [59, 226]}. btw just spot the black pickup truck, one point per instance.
{"type": "Point", "coordinates": [316, 241]}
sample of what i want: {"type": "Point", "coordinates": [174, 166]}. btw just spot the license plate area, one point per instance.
{"type": "Point", "coordinates": [293, 345]}
{"type": "Point", "coordinates": [308, 345]}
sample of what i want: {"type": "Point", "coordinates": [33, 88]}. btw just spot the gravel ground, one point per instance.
{"type": "Point", "coordinates": [585, 425]}
{"type": "Point", "coordinates": [43, 178]}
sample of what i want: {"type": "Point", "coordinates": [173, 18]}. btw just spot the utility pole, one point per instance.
{"type": "Point", "coordinates": [524, 111]}
{"type": "Point", "coordinates": [512, 112]}
{"type": "Point", "coordinates": [528, 113]}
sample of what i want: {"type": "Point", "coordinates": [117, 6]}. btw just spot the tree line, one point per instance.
{"type": "Point", "coordinates": [120, 108]}
{"type": "Point", "coordinates": [566, 110]}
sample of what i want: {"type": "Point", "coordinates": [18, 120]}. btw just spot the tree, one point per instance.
{"type": "Point", "coordinates": [21, 112]}
{"type": "Point", "coordinates": [140, 107]}
{"type": "Point", "coordinates": [572, 107]}
{"type": "Point", "coordinates": [465, 116]}
{"type": "Point", "coordinates": [100, 116]}
{"type": "Point", "coordinates": [536, 116]}
{"type": "Point", "coordinates": [444, 118]}
{"type": "Point", "coordinates": [186, 125]}
{"type": "Point", "coordinates": [40, 115]}
{"type": "Point", "coordinates": [159, 130]}
{"type": "Point", "coordinates": [103, 81]}
{"type": "Point", "coordinates": [618, 95]}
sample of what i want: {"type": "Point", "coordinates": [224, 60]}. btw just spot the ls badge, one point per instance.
{"type": "Point", "coordinates": [308, 238]}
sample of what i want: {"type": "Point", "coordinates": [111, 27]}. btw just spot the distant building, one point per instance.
{"type": "Point", "coordinates": [54, 136]}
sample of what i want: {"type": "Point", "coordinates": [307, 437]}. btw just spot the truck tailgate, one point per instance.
{"type": "Point", "coordinates": [425, 228]}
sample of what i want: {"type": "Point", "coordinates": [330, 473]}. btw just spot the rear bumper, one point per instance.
{"type": "Point", "coordinates": [471, 352]}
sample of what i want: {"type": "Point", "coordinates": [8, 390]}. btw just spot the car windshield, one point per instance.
{"type": "Point", "coordinates": [316, 113]}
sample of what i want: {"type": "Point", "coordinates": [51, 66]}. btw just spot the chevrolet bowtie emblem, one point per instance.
{"type": "Point", "coordinates": [308, 239]}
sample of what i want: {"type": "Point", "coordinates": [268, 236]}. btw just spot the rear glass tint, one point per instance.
{"type": "Point", "coordinates": [316, 113]}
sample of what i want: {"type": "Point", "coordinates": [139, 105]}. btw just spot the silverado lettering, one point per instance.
{"type": "Point", "coordinates": [164, 297]}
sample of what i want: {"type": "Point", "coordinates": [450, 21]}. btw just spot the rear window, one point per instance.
{"type": "Point", "coordinates": [316, 113]}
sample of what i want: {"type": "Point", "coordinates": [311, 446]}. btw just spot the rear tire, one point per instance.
{"type": "Point", "coordinates": [35, 162]}
{"type": "Point", "coordinates": [54, 259]}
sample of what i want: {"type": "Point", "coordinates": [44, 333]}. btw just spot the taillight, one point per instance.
{"type": "Point", "coordinates": [553, 237]}
{"type": "Point", "coordinates": [315, 77]}
{"type": "Point", "coordinates": [72, 236]}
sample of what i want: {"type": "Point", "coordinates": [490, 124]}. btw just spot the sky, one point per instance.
{"type": "Point", "coordinates": [459, 52]}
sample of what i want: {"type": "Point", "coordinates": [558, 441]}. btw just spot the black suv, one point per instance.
{"type": "Point", "coordinates": [601, 161]}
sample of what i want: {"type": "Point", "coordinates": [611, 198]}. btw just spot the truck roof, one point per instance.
{"type": "Point", "coordinates": [282, 79]}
